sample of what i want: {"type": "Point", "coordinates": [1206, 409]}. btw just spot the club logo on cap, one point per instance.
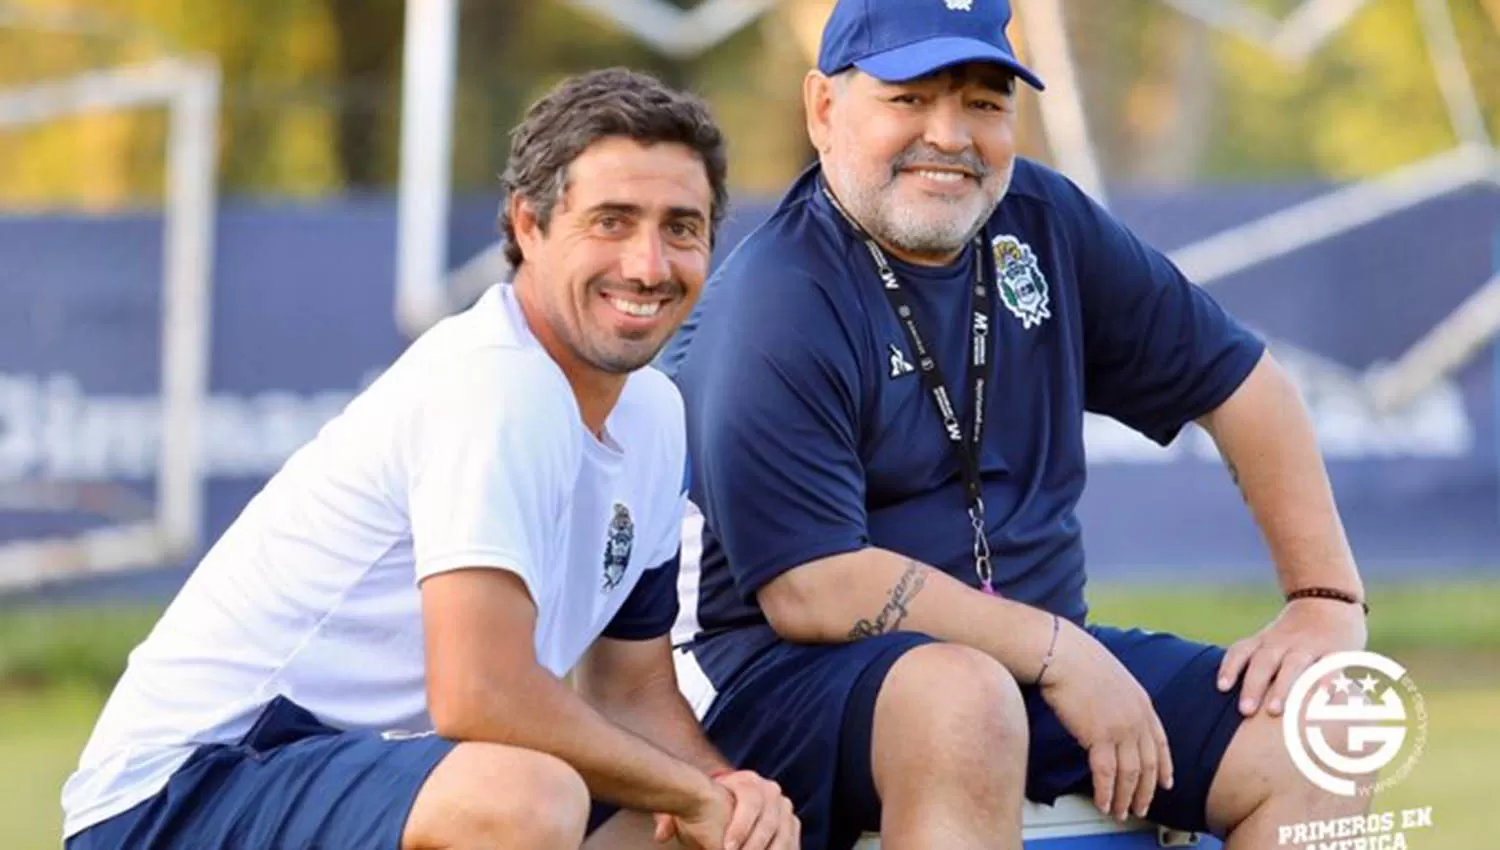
{"type": "Point", "coordinates": [959, 5]}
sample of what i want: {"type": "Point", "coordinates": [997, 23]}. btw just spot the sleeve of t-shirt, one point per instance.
{"type": "Point", "coordinates": [490, 464]}
{"type": "Point", "coordinates": [1159, 350]}
{"type": "Point", "coordinates": [772, 394]}
{"type": "Point", "coordinates": [651, 608]}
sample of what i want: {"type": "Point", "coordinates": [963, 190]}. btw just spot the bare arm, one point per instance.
{"type": "Point", "coordinates": [873, 591]}
{"type": "Point", "coordinates": [633, 684]}
{"type": "Point", "coordinates": [1267, 439]}
{"type": "Point", "coordinates": [484, 684]}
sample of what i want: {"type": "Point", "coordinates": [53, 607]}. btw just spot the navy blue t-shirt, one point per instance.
{"type": "Point", "coordinates": [810, 434]}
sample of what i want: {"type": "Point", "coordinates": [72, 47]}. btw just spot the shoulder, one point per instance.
{"type": "Point", "coordinates": [1045, 206]}
{"type": "Point", "coordinates": [523, 382]}
{"type": "Point", "coordinates": [792, 291]}
{"type": "Point", "coordinates": [495, 399]}
{"type": "Point", "coordinates": [488, 351]}
{"type": "Point", "coordinates": [1046, 191]}
{"type": "Point", "coordinates": [651, 399]}
{"type": "Point", "coordinates": [650, 412]}
{"type": "Point", "coordinates": [799, 243]}
{"type": "Point", "coordinates": [792, 277]}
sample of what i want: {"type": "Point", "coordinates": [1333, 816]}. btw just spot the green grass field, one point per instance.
{"type": "Point", "coordinates": [56, 668]}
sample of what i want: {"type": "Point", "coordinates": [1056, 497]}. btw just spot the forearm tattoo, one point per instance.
{"type": "Point", "coordinates": [1234, 475]}
{"type": "Point", "coordinates": [902, 593]}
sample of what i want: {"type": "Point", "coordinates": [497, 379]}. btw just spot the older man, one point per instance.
{"type": "Point", "coordinates": [885, 394]}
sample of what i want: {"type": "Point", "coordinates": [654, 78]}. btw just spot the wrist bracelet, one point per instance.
{"type": "Point", "coordinates": [1328, 593]}
{"type": "Point", "coordinates": [1052, 648]}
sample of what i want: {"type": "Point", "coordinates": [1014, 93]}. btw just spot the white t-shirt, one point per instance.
{"type": "Point", "coordinates": [468, 452]}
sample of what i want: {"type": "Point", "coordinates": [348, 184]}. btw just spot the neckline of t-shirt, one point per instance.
{"type": "Point", "coordinates": [960, 271]}
{"type": "Point", "coordinates": [605, 451]}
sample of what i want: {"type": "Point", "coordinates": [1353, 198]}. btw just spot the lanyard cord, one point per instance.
{"type": "Point", "coordinates": [966, 448]}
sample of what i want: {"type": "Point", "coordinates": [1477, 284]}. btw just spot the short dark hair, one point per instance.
{"type": "Point", "coordinates": [614, 102]}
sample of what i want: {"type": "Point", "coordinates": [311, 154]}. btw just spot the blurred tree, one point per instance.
{"type": "Point", "coordinates": [1365, 103]}
{"type": "Point", "coordinates": [511, 52]}
{"type": "Point", "coordinates": [1169, 111]}
{"type": "Point", "coordinates": [277, 120]}
{"type": "Point", "coordinates": [312, 91]}
{"type": "Point", "coordinates": [1112, 47]}
{"type": "Point", "coordinates": [369, 38]}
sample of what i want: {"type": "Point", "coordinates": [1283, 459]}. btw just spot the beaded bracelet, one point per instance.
{"type": "Point", "coordinates": [1328, 593]}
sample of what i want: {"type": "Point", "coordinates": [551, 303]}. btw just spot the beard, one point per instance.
{"type": "Point", "coordinates": [615, 352]}
{"type": "Point", "coordinates": [935, 227]}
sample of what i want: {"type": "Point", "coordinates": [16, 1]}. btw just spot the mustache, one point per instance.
{"type": "Point", "coordinates": [919, 156]}
{"type": "Point", "coordinates": [669, 289]}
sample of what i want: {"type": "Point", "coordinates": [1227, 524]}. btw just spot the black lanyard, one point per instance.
{"type": "Point", "coordinates": [966, 450]}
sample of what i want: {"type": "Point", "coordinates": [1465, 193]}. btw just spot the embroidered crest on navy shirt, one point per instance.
{"type": "Point", "coordinates": [1023, 287]}
{"type": "Point", "coordinates": [617, 547]}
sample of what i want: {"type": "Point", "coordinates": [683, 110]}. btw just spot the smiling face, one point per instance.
{"type": "Point", "coordinates": [620, 264]}
{"type": "Point", "coordinates": [920, 164]}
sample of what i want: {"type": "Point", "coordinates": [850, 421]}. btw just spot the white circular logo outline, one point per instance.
{"type": "Point", "coordinates": [1291, 718]}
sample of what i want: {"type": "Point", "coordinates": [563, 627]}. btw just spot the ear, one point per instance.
{"type": "Point", "coordinates": [524, 220]}
{"type": "Point", "coordinates": [817, 102]}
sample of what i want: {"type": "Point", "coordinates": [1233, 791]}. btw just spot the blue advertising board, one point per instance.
{"type": "Point", "coordinates": [302, 317]}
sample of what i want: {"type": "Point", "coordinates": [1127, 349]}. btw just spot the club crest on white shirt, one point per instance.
{"type": "Point", "coordinates": [617, 547]}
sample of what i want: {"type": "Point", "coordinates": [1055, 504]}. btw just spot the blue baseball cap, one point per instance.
{"type": "Point", "coordinates": [900, 40]}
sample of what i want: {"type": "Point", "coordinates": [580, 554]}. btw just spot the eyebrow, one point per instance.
{"type": "Point", "coordinates": [637, 211]}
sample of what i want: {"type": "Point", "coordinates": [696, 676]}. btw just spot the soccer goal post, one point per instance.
{"type": "Point", "coordinates": [189, 91]}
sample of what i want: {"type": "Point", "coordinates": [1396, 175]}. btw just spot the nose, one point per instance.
{"type": "Point", "coordinates": [948, 127]}
{"type": "Point", "coordinates": [645, 259]}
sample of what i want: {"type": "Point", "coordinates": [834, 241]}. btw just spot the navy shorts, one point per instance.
{"type": "Point", "coordinates": [291, 782]}
{"type": "Point", "coordinates": [804, 716]}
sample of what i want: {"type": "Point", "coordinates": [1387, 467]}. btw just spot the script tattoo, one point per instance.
{"type": "Point", "coordinates": [902, 593]}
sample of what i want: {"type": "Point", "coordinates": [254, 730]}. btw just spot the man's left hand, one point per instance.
{"type": "Point", "coordinates": [763, 819]}
{"type": "Point", "coordinates": [1273, 658]}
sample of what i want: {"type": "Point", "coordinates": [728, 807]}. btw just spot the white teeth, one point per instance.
{"type": "Point", "coordinates": [633, 308]}
{"type": "Point", "coordinates": [942, 176]}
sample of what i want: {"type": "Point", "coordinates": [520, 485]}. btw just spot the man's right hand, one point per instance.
{"type": "Point", "coordinates": [1109, 714]}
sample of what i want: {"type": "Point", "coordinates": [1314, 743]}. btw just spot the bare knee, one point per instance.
{"type": "Point", "coordinates": [484, 795]}
{"type": "Point", "coordinates": [952, 704]}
